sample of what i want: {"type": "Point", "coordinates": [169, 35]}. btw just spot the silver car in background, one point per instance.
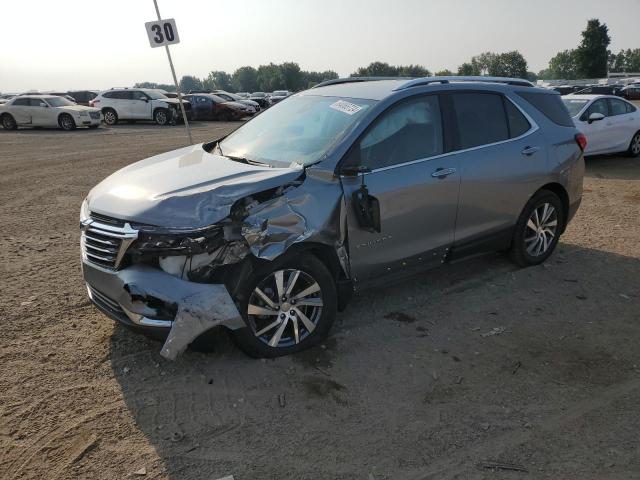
{"type": "Point", "coordinates": [268, 231]}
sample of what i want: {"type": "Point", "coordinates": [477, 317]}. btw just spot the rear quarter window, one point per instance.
{"type": "Point", "coordinates": [550, 105]}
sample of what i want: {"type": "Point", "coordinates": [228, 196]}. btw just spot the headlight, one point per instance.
{"type": "Point", "coordinates": [154, 244]}
{"type": "Point", "coordinates": [83, 113]}
{"type": "Point", "coordinates": [84, 211]}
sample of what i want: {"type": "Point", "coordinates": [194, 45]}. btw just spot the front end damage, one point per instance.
{"type": "Point", "coordinates": [188, 281]}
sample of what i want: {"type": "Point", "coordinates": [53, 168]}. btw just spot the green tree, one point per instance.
{"type": "Point", "coordinates": [482, 63]}
{"type": "Point", "coordinates": [269, 78]}
{"type": "Point", "coordinates": [444, 73]}
{"type": "Point", "coordinates": [592, 53]}
{"type": "Point", "coordinates": [292, 77]}
{"type": "Point", "coordinates": [509, 64]}
{"type": "Point", "coordinates": [189, 82]}
{"type": "Point", "coordinates": [468, 69]}
{"type": "Point", "coordinates": [217, 80]}
{"type": "Point", "coordinates": [376, 69]}
{"type": "Point", "coordinates": [564, 65]}
{"type": "Point", "coordinates": [632, 58]}
{"type": "Point", "coordinates": [413, 71]}
{"type": "Point", "coordinates": [245, 79]}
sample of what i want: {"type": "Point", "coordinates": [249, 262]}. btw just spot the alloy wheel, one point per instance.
{"type": "Point", "coordinates": [8, 122]}
{"type": "Point", "coordinates": [109, 117]}
{"type": "Point", "coordinates": [541, 229]}
{"type": "Point", "coordinates": [635, 144]}
{"type": "Point", "coordinates": [285, 308]}
{"type": "Point", "coordinates": [66, 122]}
{"type": "Point", "coordinates": [161, 117]}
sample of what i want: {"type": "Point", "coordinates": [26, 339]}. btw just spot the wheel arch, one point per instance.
{"type": "Point", "coordinates": [562, 193]}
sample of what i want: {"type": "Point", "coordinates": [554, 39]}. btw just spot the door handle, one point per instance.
{"type": "Point", "coordinates": [442, 172]}
{"type": "Point", "coordinates": [528, 151]}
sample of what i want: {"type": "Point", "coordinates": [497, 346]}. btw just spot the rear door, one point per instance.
{"type": "Point", "coordinates": [21, 111]}
{"type": "Point", "coordinates": [502, 157]}
{"type": "Point", "coordinates": [415, 184]}
{"type": "Point", "coordinates": [623, 124]}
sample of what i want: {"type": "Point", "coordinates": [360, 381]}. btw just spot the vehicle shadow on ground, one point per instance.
{"type": "Point", "coordinates": [411, 376]}
{"type": "Point", "coordinates": [614, 167]}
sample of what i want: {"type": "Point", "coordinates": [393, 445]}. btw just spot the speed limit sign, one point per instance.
{"type": "Point", "coordinates": [162, 32]}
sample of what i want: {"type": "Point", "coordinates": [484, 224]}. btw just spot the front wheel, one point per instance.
{"type": "Point", "coordinates": [110, 116]}
{"type": "Point", "coordinates": [634, 146]}
{"type": "Point", "coordinates": [538, 229]}
{"type": "Point", "coordinates": [66, 122]}
{"type": "Point", "coordinates": [287, 308]}
{"type": "Point", "coordinates": [161, 116]}
{"type": "Point", "coordinates": [8, 122]}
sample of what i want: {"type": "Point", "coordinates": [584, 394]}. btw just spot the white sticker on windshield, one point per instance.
{"type": "Point", "coordinates": [346, 107]}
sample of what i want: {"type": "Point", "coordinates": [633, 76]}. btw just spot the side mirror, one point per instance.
{"type": "Point", "coordinates": [354, 170]}
{"type": "Point", "coordinates": [44, 105]}
{"type": "Point", "coordinates": [595, 116]}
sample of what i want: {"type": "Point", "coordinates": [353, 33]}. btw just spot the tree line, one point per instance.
{"type": "Point", "coordinates": [590, 59]}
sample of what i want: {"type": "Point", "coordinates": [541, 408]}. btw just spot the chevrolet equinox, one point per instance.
{"type": "Point", "coordinates": [268, 230]}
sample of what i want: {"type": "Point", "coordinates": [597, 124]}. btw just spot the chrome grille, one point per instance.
{"type": "Point", "coordinates": [104, 244]}
{"type": "Point", "coordinates": [105, 303]}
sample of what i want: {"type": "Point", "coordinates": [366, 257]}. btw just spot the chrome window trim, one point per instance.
{"type": "Point", "coordinates": [534, 128]}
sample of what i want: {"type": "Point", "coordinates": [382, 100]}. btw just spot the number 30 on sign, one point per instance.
{"type": "Point", "coordinates": [162, 32]}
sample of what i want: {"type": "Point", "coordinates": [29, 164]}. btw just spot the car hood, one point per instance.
{"type": "Point", "coordinates": [187, 188]}
{"type": "Point", "coordinates": [174, 101]}
{"type": "Point", "coordinates": [79, 108]}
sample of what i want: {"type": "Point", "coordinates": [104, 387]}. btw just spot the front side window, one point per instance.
{"type": "Point", "coordinates": [599, 106]}
{"type": "Point", "coordinates": [139, 95]}
{"type": "Point", "coordinates": [58, 102]}
{"type": "Point", "coordinates": [300, 130]}
{"type": "Point", "coordinates": [411, 130]}
{"type": "Point", "coordinates": [574, 105]}
{"type": "Point", "coordinates": [481, 119]}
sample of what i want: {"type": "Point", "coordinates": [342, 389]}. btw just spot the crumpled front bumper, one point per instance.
{"type": "Point", "coordinates": [136, 295]}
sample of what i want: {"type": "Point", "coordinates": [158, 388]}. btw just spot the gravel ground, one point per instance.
{"type": "Point", "coordinates": [476, 370]}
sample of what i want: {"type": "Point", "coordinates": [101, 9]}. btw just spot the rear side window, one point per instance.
{"type": "Point", "coordinates": [121, 95]}
{"type": "Point", "coordinates": [617, 107]}
{"type": "Point", "coordinates": [481, 119]}
{"type": "Point", "coordinates": [630, 108]}
{"type": "Point", "coordinates": [21, 102]}
{"type": "Point", "coordinates": [518, 124]}
{"type": "Point", "coordinates": [550, 105]}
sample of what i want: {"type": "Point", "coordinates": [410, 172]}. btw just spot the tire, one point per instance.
{"type": "Point", "coordinates": [8, 122]}
{"type": "Point", "coordinates": [634, 146]}
{"type": "Point", "coordinates": [532, 246]}
{"type": "Point", "coordinates": [161, 116]}
{"type": "Point", "coordinates": [313, 320]}
{"type": "Point", "coordinates": [66, 122]}
{"type": "Point", "coordinates": [110, 116]}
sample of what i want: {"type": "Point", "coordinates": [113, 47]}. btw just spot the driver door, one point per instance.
{"type": "Point", "coordinates": [42, 115]}
{"type": "Point", "coordinates": [413, 183]}
{"type": "Point", "coordinates": [597, 132]}
{"type": "Point", "coordinates": [140, 105]}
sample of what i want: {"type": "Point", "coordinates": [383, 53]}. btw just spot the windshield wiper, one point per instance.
{"type": "Point", "coordinates": [246, 160]}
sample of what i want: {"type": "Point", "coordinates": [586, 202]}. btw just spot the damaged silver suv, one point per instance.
{"type": "Point", "coordinates": [268, 230]}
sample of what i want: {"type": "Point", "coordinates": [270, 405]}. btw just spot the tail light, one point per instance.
{"type": "Point", "coordinates": [92, 103]}
{"type": "Point", "coordinates": [581, 140]}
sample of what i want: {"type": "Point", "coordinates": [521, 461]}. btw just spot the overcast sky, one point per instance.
{"type": "Point", "coordinates": [75, 44]}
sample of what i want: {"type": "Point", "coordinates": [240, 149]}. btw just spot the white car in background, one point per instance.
{"type": "Point", "coordinates": [611, 124]}
{"type": "Point", "coordinates": [46, 111]}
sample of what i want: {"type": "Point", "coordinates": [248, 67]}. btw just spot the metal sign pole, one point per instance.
{"type": "Point", "coordinates": [175, 80]}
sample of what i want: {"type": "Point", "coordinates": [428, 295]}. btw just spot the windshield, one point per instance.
{"type": "Point", "coordinates": [258, 94]}
{"type": "Point", "coordinates": [59, 102]}
{"type": "Point", "coordinates": [574, 105]}
{"type": "Point", "coordinates": [155, 95]}
{"type": "Point", "coordinates": [279, 93]}
{"type": "Point", "coordinates": [300, 130]}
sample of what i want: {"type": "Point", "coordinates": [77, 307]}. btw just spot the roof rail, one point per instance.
{"type": "Point", "coordinates": [418, 82]}
{"type": "Point", "coordinates": [337, 81]}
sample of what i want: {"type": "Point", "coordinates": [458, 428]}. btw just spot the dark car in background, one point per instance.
{"type": "Point", "coordinates": [261, 98]}
{"type": "Point", "coordinates": [232, 97]}
{"type": "Point", "coordinates": [83, 97]}
{"type": "Point", "coordinates": [206, 106]}
{"type": "Point", "coordinates": [631, 92]}
{"type": "Point", "coordinates": [600, 90]}
{"type": "Point", "coordinates": [567, 89]}
{"type": "Point", "coordinates": [278, 96]}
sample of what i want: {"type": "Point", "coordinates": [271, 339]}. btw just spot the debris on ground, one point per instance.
{"type": "Point", "coordinates": [516, 367]}
{"type": "Point", "coordinates": [490, 465]}
{"type": "Point", "coordinates": [228, 477]}
{"type": "Point", "coordinates": [494, 331]}
{"type": "Point", "coordinates": [140, 473]}
{"type": "Point", "coordinates": [282, 400]}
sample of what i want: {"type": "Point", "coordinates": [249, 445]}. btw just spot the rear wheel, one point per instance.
{"type": "Point", "coordinates": [66, 122]}
{"type": "Point", "coordinates": [8, 122]}
{"type": "Point", "coordinates": [538, 229]}
{"type": "Point", "coordinates": [287, 308]}
{"type": "Point", "coordinates": [634, 146]}
{"type": "Point", "coordinates": [110, 116]}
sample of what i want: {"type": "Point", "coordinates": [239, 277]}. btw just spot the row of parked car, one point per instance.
{"type": "Point", "coordinates": [69, 110]}
{"type": "Point", "coordinates": [629, 92]}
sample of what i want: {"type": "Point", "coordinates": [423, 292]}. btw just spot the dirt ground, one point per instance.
{"type": "Point", "coordinates": [440, 376]}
